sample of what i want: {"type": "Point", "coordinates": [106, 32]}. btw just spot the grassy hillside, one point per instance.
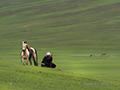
{"type": "Point", "coordinates": [72, 30]}
{"type": "Point", "coordinates": [61, 23]}
{"type": "Point", "coordinates": [15, 76]}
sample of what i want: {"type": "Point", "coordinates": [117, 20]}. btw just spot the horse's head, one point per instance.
{"type": "Point", "coordinates": [23, 46]}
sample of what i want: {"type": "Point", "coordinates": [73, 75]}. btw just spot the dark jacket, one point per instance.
{"type": "Point", "coordinates": [47, 60]}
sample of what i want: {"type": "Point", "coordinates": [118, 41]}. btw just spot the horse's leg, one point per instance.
{"type": "Point", "coordinates": [27, 61]}
{"type": "Point", "coordinates": [35, 59]}
{"type": "Point", "coordinates": [30, 61]}
{"type": "Point", "coordinates": [33, 54]}
{"type": "Point", "coordinates": [23, 61]}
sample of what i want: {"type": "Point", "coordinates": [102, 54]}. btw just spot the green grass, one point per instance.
{"type": "Point", "coordinates": [75, 70]}
{"type": "Point", "coordinates": [14, 76]}
{"type": "Point", "coordinates": [71, 30]}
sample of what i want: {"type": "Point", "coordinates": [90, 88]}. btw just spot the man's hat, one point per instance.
{"type": "Point", "coordinates": [48, 53]}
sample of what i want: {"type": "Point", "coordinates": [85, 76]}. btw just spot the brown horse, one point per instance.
{"type": "Point", "coordinates": [28, 54]}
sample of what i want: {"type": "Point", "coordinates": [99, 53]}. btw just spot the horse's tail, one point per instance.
{"type": "Point", "coordinates": [36, 57]}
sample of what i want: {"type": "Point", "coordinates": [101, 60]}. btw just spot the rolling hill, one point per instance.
{"type": "Point", "coordinates": [72, 30]}
{"type": "Point", "coordinates": [64, 22]}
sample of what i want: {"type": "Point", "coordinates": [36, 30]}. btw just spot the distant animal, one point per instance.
{"type": "Point", "coordinates": [91, 55]}
{"type": "Point", "coordinates": [28, 54]}
{"type": "Point", "coordinates": [103, 54]}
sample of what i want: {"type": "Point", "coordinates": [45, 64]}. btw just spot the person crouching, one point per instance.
{"type": "Point", "coordinates": [47, 61]}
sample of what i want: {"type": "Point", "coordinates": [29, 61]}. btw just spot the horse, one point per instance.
{"type": "Point", "coordinates": [28, 54]}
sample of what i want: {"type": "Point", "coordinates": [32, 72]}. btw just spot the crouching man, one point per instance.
{"type": "Point", "coordinates": [47, 61]}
